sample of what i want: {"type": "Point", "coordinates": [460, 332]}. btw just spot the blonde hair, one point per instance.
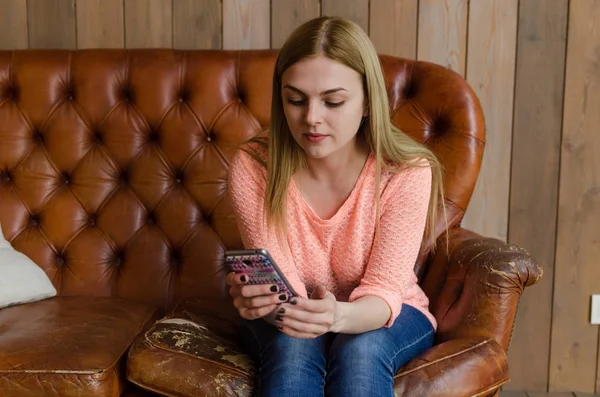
{"type": "Point", "coordinates": [343, 41]}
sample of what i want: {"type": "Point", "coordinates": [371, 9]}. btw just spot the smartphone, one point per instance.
{"type": "Point", "coordinates": [260, 268]}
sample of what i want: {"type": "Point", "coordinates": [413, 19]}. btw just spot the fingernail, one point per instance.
{"type": "Point", "coordinates": [280, 327]}
{"type": "Point", "coordinates": [293, 301]}
{"type": "Point", "coordinates": [282, 297]}
{"type": "Point", "coordinates": [243, 279]}
{"type": "Point", "coordinates": [278, 318]}
{"type": "Point", "coordinates": [274, 288]}
{"type": "Point", "coordinates": [282, 310]}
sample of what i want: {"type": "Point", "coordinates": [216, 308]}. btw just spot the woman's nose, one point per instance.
{"type": "Point", "coordinates": [313, 114]}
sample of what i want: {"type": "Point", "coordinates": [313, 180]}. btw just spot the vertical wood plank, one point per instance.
{"type": "Point", "coordinates": [13, 24]}
{"type": "Point", "coordinates": [288, 15]}
{"type": "Point", "coordinates": [354, 10]}
{"type": "Point", "coordinates": [246, 24]}
{"type": "Point", "coordinates": [393, 25]}
{"type": "Point", "coordinates": [539, 93]}
{"type": "Point", "coordinates": [51, 24]}
{"type": "Point", "coordinates": [490, 71]}
{"type": "Point", "coordinates": [573, 353]}
{"type": "Point", "coordinates": [197, 24]}
{"type": "Point", "coordinates": [100, 24]}
{"type": "Point", "coordinates": [148, 24]}
{"type": "Point", "coordinates": [442, 33]}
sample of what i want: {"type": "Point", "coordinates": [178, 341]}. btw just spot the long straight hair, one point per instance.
{"type": "Point", "coordinates": [345, 42]}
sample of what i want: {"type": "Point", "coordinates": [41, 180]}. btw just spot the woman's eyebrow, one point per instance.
{"type": "Point", "coordinates": [326, 92]}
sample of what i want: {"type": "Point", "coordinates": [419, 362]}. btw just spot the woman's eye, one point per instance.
{"type": "Point", "coordinates": [298, 102]}
{"type": "Point", "coordinates": [334, 104]}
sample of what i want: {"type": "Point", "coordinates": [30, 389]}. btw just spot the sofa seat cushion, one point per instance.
{"type": "Point", "coordinates": [191, 352]}
{"type": "Point", "coordinates": [68, 346]}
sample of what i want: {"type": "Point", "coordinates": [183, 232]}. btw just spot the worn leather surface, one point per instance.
{"type": "Point", "coordinates": [68, 346]}
{"type": "Point", "coordinates": [113, 179]}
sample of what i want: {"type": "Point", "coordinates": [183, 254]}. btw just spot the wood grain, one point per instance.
{"type": "Point", "coordinates": [535, 163]}
{"type": "Point", "coordinates": [288, 15]}
{"type": "Point", "coordinates": [246, 24]}
{"type": "Point", "coordinates": [148, 24]}
{"type": "Point", "coordinates": [100, 24]}
{"type": "Point", "coordinates": [13, 24]}
{"type": "Point", "coordinates": [197, 24]}
{"type": "Point", "coordinates": [512, 394]}
{"type": "Point", "coordinates": [442, 33]}
{"type": "Point", "coordinates": [490, 71]}
{"type": "Point", "coordinates": [574, 342]}
{"type": "Point", "coordinates": [354, 10]}
{"type": "Point", "coordinates": [393, 25]}
{"type": "Point", "coordinates": [51, 24]}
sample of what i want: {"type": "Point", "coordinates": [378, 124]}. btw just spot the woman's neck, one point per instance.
{"type": "Point", "coordinates": [342, 163]}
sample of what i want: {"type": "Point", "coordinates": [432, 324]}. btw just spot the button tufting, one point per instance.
{"type": "Point", "coordinates": [34, 220]}
{"type": "Point", "coordinates": [66, 179]}
{"type": "Point", "coordinates": [441, 125]}
{"type": "Point", "coordinates": [176, 258]}
{"type": "Point", "coordinates": [118, 259]}
{"type": "Point", "coordinates": [124, 176]}
{"type": "Point", "coordinates": [11, 93]}
{"type": "Point", "coordinates": [127, 95]}
{"type": "Point", "coordinates": [60, 259]}
{"type": "Point", "coordinates": [208, 138]}
{"type": "Point", "coordinates": [92, 221]}
{"type": "Point", "coordinates": [151, 219]}
{"type": "Point", "coordinates": [153, 137]}
{"type": "Point", "coordinates": [38, 136]}
{"type": "Point", "coordinates": [179, 177]}
{"type": "Point", "coordinates": [6, 176]}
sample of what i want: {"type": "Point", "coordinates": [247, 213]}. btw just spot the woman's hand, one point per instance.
{"type": "Point", "coordinates": [308, 318]}
{"type": "Point", "coordinates": [253, 301]}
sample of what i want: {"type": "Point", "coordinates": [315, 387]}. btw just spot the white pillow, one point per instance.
{"type": "Point", "coordinates": [21, 280]}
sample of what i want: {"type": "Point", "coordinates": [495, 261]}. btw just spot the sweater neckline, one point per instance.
{"type": "Point", "coordinates": [347, 202]}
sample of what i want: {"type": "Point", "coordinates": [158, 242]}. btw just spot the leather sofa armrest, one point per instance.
{"type": "Point", "coordinates": [460, 367]}
{"type": "Point", "coordinates": [484, 279]}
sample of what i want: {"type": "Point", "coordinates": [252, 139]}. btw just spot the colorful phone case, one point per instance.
{"type": "Point", "coordinates": [259, 267]}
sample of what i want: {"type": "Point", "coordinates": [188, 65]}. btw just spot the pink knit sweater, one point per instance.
{"type": "Point", "coordinates": [343, 253]}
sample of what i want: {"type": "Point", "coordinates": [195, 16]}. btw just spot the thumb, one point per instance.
{"type": "Point", "coordinates": [319, 293]}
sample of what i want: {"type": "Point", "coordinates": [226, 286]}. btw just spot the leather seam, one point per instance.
{"type": "Point", "coordinates": [491, 388]}
{"type": "Point", "coordinates": [442, 359]}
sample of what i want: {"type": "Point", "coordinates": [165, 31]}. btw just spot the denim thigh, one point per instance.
{"type": "Point", "coordinates": [286, 366]}
{"type": "Point", "coordinates": [365, 364]}
{"type": "Point", "coordinates": [335, 364]}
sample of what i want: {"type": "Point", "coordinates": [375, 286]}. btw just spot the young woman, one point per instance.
{"type": "Point", "coordinates": [341, 200]}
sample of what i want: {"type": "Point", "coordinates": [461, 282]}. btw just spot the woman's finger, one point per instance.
{"type": "Point", "coordinates": [254, 313]}
{"type": "Point", "coordinates": [294, 327]}
{"type": "Point", "coordinates": [236, 279]}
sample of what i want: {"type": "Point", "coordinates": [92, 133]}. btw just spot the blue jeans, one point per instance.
{"type": "Point", "coordinates": [336, 365]}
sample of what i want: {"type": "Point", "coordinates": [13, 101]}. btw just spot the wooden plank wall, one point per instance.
{"type": "Point", "coordinates": [535, 65]}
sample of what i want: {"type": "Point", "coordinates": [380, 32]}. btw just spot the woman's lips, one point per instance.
{"type": "Point", "coordinates": [314, 138]}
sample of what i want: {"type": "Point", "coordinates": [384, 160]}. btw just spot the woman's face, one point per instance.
{"type": "Point", "coordinates": [324, 103]}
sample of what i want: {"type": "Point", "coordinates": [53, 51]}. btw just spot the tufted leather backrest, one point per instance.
{"type": "Point", "coordinates": [113, 163]}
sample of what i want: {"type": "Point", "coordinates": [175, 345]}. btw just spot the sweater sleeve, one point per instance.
{"type": "Point", "coordinates": [389, 273]}
{"type": "Point", "coordinates": [247, 185]}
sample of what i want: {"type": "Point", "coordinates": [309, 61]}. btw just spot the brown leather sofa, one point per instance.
{"type": "Point", "coordinates": [113, 179]}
